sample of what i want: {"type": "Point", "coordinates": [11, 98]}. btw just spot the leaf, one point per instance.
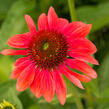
{"type": "Point", "coordinates": [104, 83]}
{"type": "Point", "coordinates": [4, 7]}
{"type": "Point", "coordinates": [15, 22]}
{"type": "Point", "coordinates": [104, 73]}
{"type": "Point", "coordinates": [27, 99]}
{"type": "Point", "coordinates": [8, 92]}
{"type": "Point", "coordinates": [8, 84]}
{"type": "Point", "coordinates": [10, 96]}
{"type": "Point", "coordinates": [103, 106]}
{"type": "Point", "coordinates": [98, 15]}
{"type": "Point", "coordinates": [105, 93]}
{"type": "Point", "coordinates": [57, 106]}
{"type": "Point", "coordinates": [34, 107]}
{"type": "Point", "coordinates": [93, 87]}
{"type": "Point", "coordinates": [5, 68]}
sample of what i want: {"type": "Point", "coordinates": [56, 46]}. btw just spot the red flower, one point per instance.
{"type": "Point", "coordinates": [48, 53]}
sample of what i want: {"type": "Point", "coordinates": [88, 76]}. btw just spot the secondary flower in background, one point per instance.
{"type": "Point", "coordinates": [48, 52]}
{"type": "Point", "coordinates": [6, 104]}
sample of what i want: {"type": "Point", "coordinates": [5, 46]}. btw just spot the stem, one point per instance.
{"type": "Point", "coordinates": [90, 99]}
{"type": "Point", "coordinates": [74, 91]}
{"type": "Point", "coordinates": [75, 94]}
{"type": "Point", "coordinates": [77, 99]}
{"type": "Point", "coordinates": [71, 4]}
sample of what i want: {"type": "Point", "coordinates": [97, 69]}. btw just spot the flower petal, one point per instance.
{"type": "Point", "coordinates": [64, 70]}
{"type": "Point", "coordinates": [20, 40]}
{"type": "Point", "coordinates": [48, 86]}
{"type": "Point", "coordinates": [77, 30]}
{"type": "Point", "coordinates": [83, 57]}
{"type": "Point", "coordinates": [72, 78]}
{"type": "Point", "coordinates": [81, 66]}
{"type": "Point", "coordinates": [14, 52]}
{"type": "Point", "coordinates": [81, 77]}
{"type": "Point", "coordinates": [82, 45]}
{"type": "Point", "coordinates": [20, 60]}
{"type": "Point", "coordinates": [62, 23]}
{"type": "Point", "coordinates": [26, 78]}
{"type": "Point", "coordinates": [31, 24]}
{"type": "Point", "coordinates": [19, 69]}
{"type": "Point", "coordinates": [43, 22]}
{"type": "Point", "coordinates": [61, 89]}
{"type": "Point", "coordinates": [52, 18]}
{"type": "Point", "coordinates": [36, 85]}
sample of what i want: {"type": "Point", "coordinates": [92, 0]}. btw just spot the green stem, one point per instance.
{"type": "Point", "coordinates": [74, 91]}
{"type": "Point", "coordinates": [89, 99]}
{"type": "Point", "coordinates": [77, 99]}
{"type": "Point", "coordinates": [76, 96]}
{"type": "Point", "coordinates": [71, 4]}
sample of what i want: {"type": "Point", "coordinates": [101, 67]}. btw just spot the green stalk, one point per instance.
{"type": "Point", "coordinates": [76, 96]}
{"type": "Point", "coordinates": [89, 98]}
{"type": "Point", "coordinates": [77, 99]}
{"type": "Point", "coordinates": [71, 4]}
{"type": "Point", "coordinates": [89, 94]}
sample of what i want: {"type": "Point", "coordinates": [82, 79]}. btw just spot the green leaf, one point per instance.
{"type": "Point", "coordinates": [29, 101]}
{"type": "Point", "coordinates": [27, 98]}
{"type": "Point", "coordinates": [93, 87]}
{"type": "Point", "coordinates": [8, 84]}
{"type": "Point", "coordinates": [15, 22]}
{"type": "Point", "coordinates": [8, 93]}
{"type": "Point", "coordinates": [105, 93]}
{"type": "Point", "coordinates": [10, 96]}
{"type": "Point", "coordinates": [5, 68]}
{"type": "Point", "coordinates": [34, 107]}
{"type": "Point", "coordinates": [5, 5]}
{"type": "Point", "coordinates": [104, 73]}
{"type": "Point", "coordinates": [57, 106]}
{"type": "Point", "coordinates": [103, 106]}
{"type": "Point", "coordinates": [98, 15]}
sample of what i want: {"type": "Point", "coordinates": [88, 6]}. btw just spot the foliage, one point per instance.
{"type": "Point", "coordinates": [96, 12]}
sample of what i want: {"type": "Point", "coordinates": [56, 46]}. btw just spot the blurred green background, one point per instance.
{"type": "Point", "coordinates": [12, 22]}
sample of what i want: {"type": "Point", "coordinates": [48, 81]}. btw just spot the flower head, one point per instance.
{"type": "Point", "coordinates": [6, 104]}
{"type": "Point", "coordinates": [49, 52]}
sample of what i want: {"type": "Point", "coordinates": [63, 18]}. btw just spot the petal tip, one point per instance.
{"type": "Point", "coordinates": [31, 24]}
{"type": "Point", "coordinates": [96, 62]}
{"type": "Point", "coordinates": [88, 79]}
{"type": "Point", "coordinates": [26, 15]}
{"type": "Point", "coordinates": [37, 95]}
{"type": "Point", "coordinates": [62, 102]}
{"type": "Point", "coordinates": [95, 76]}
{"type": "Point", "coordinates": [80, 86]}
{"type": "Point", "coordinates": [89, 25]}
{"type": "Point", "coordinates": [48, 100]}
{"type": "Point", "coordinates": [83, 88]}
{"type": "Point", "coordinates": [18, 88]}
{"type": "Point", "coordinates": [3, 52]}
{"type": "Point", "coordinates": [12, 76]}
{"type": "Point", "coordinates": [51, 10]}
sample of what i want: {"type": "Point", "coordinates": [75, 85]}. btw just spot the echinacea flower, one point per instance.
{"type": "Point", "coordinates": [49, 52]}
{"type": "Point", "coordinates": [5, 104]}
